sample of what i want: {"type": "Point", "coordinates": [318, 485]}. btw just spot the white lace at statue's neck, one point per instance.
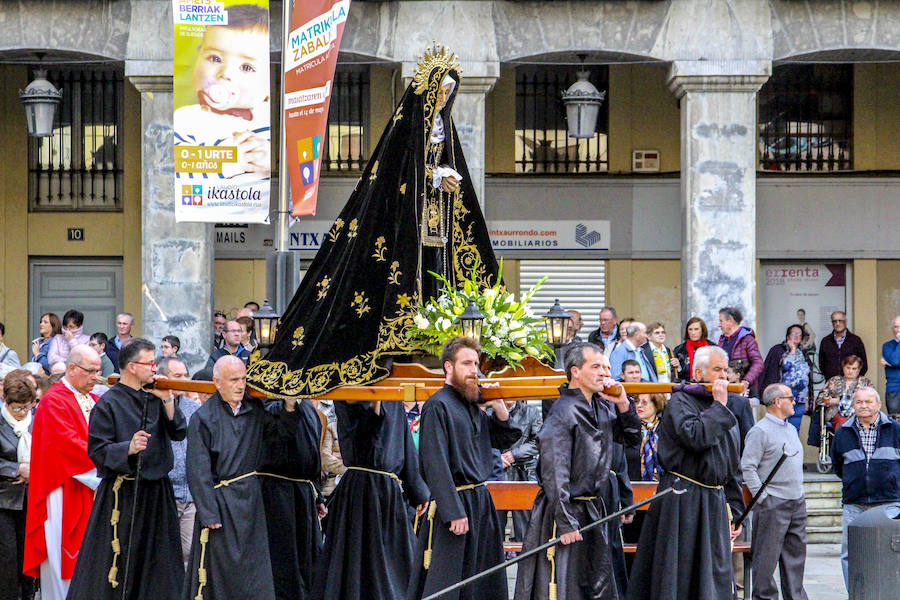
{"type": "Point", "coordinates": [437, 130]}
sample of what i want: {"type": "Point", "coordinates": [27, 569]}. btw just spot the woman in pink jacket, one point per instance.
{"type": "Point", "coordinates": [72, 335]}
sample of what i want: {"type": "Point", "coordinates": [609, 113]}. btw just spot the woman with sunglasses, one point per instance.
{"type": "Point", "coordinates": [789, 363]}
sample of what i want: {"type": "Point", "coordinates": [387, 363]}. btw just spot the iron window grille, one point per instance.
{"type": "Point", "coordinates": [542, 143]}
{"type": "Point", "coordinates": [80, 166]}
{"type": "Point", "coordinates": [805, 118]}
{"type": "Point", "coordinates": [346, 143]}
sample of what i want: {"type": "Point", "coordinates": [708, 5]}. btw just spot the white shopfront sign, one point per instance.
{"type": "Point", "coordinates": [549, 235]}
{"type": "Point", "coordinates": [255, 241]}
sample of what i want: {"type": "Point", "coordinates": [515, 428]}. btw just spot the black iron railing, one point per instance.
{"type": "Point", "coordinates": [542, 143]}
{"type": "Point", "coordinates": [80, 166]}
{"type": "Point", "coordinates": [346, 143]}
{"type": "Point", "coordinates": [805, 117]}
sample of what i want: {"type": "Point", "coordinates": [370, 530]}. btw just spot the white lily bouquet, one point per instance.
{"type": "Point", "coordinates": [510, 329]}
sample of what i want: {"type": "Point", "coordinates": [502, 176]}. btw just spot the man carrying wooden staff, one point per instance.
{"type": "Point", "coordinates": [685, 548]}
{"type": "Point", "coordinates": [576, 444]}
{"type": "Point", "coordinates": [230, 557]}
{"type": "Point", "coordinates": [462, 534]}
{"type": "Point", "coordinates": [131, 548]}
{"type": "Point", "coordinates": [369, 539]}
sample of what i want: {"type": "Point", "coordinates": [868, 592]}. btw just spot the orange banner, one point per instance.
{"type": "Point", "coordinates": [315, 38]}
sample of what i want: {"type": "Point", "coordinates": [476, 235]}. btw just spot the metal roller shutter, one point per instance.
{"type": "Point", "coordinates": [579, 285]}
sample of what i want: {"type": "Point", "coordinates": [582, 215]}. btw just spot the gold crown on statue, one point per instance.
{"type": "Point", "coordinates": [437, 55]}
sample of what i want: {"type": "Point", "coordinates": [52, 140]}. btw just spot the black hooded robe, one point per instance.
{"type": "Point", "coordinates": [354, 307]}
{"type": "Point", "coordinates": [289, 476]}
{"type": "Point", "coordinates": [224, 452]}
{"type": "Point", "coordinates": [156, 570]}
{"type": "Point", "coordinates": [369, 542]}
{"type": "Point", "coordinates": [576, 445]}
{"type": "Point", "coordinates": [455, 441]}
{"type": "Point", "coordinates": [684, 551]}
{"type": "Point", "coordinates": [618, 495]}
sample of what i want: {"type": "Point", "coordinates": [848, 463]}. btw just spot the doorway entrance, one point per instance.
{"type": "Point", "coordinates": [93, 286]}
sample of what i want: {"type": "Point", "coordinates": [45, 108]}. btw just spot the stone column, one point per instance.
{"type": "Point", "coordinates": [177, 262]}
{"type": "Point", "coordinates": [468, 116]}
{"type": "Point", "coordinates": [718, 185]}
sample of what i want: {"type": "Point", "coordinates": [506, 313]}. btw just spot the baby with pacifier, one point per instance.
{"type": "Point", "coordinates": [231, 83]}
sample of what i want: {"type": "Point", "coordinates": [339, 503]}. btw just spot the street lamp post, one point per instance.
{"type": "Point", "coordinates": [471, 321]}
{"type": "Point", "coordinates": [265, 322]}
{"type": "Point", "coordinates": [582, 102]}
{"type": "Point", "coordinates": [41, 99]}
{"type": "Point", "coordinates": [557, 323]}
{"type": "Point", "coordinates": [283, 265]}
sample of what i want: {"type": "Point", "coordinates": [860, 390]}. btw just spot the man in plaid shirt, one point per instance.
{"type": "Point", "coordinates": [865, 451]}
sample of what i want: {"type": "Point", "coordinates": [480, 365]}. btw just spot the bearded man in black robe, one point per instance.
{"type": "Point", "coordinates": [462, 534]}
{"type": "Point", "coordinates": [369, 540]}
{"type": "Point", "coordinates": [230, 557]}
{"type": "Point", "coordinates": [289, 476]}
{"type": "Point", "coordinates": [131, 426]}
{"type": "Point", "coordinates": [684, 551]}
{"type": "Point", "coordinates": [576, 449]}
{"type": "Point", "coordinates": [414, 212]}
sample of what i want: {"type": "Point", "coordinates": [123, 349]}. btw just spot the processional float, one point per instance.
{"type": "Point", "coordinates": [413, 382]}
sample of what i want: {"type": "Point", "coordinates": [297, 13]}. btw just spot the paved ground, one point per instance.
{"type": "Point", "coordinates": [823, 580]}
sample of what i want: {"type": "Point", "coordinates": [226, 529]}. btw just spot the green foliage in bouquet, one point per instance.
{"type": "Point", "coordinates": [510, 329]}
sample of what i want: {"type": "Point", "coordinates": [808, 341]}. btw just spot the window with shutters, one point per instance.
{"type": "Point", "coordinates": [80, 166]}
{"type": "Point", "coordinates": [579, 284]}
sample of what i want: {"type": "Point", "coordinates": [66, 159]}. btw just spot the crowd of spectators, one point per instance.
{"type": "Point", "coordinates": [637, 352]}
{"type": "Point", "coordinates": [58, 353]}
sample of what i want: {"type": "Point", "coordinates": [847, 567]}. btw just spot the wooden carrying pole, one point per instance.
{"type": "Point", "coordinates": [413, 382]}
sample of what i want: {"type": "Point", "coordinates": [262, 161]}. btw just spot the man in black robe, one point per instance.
{"type": "Point", "coordinates": [462, 535]}
{"type": "Point", "coordinates": [617, 496]}
{"type": "Point", "coordinates": [369, 540]}
{"type": "Point", "coordinates": [685, 548]}
{"type": "Point", "coordinates": [230, 552]}
{"type": "Point", "coordinates": [289, 476]}
{"type": "Point", "coordinates": [132, 539]}
{"type": "Point", "coordinates": [519, 462]}
{"type": "Point", "coordinates": [576, 452]}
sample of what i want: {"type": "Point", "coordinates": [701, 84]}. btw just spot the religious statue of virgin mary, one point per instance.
{"type": "Point", "coordinates": [413, 213]}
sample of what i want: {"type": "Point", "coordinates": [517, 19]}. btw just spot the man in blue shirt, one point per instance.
{"type": "Point", "coordinates": [124, 323]}
{"type": "Point", "coordinates": [174, 368]}
{"type": "Point", "coordinates": [890, 359]}
{"type": "Point", "coordinates": [608, 332]}
{"type": "Point", "coordinates": [232, 345]}
{"type": "Point", "coordinates": [630, 349]}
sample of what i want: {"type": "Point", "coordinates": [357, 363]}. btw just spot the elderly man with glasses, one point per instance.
{"type": "Point", "coordinates": [839, 344]}
{"type": "Point", "coordinates": [865, 452]}
{"type": "Point", "coordinates": [62, 475]}
{"type": "Point", "coordinates": [779, 518]}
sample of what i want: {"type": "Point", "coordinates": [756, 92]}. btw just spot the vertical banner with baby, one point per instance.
{"type": "Point", "coordinates": [315, 38]}
{"type": "Point", "coordinates": [222, 111]}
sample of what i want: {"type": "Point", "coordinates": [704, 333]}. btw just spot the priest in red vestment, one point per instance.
{"type": "Point", "coordinates": [63, 477]}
